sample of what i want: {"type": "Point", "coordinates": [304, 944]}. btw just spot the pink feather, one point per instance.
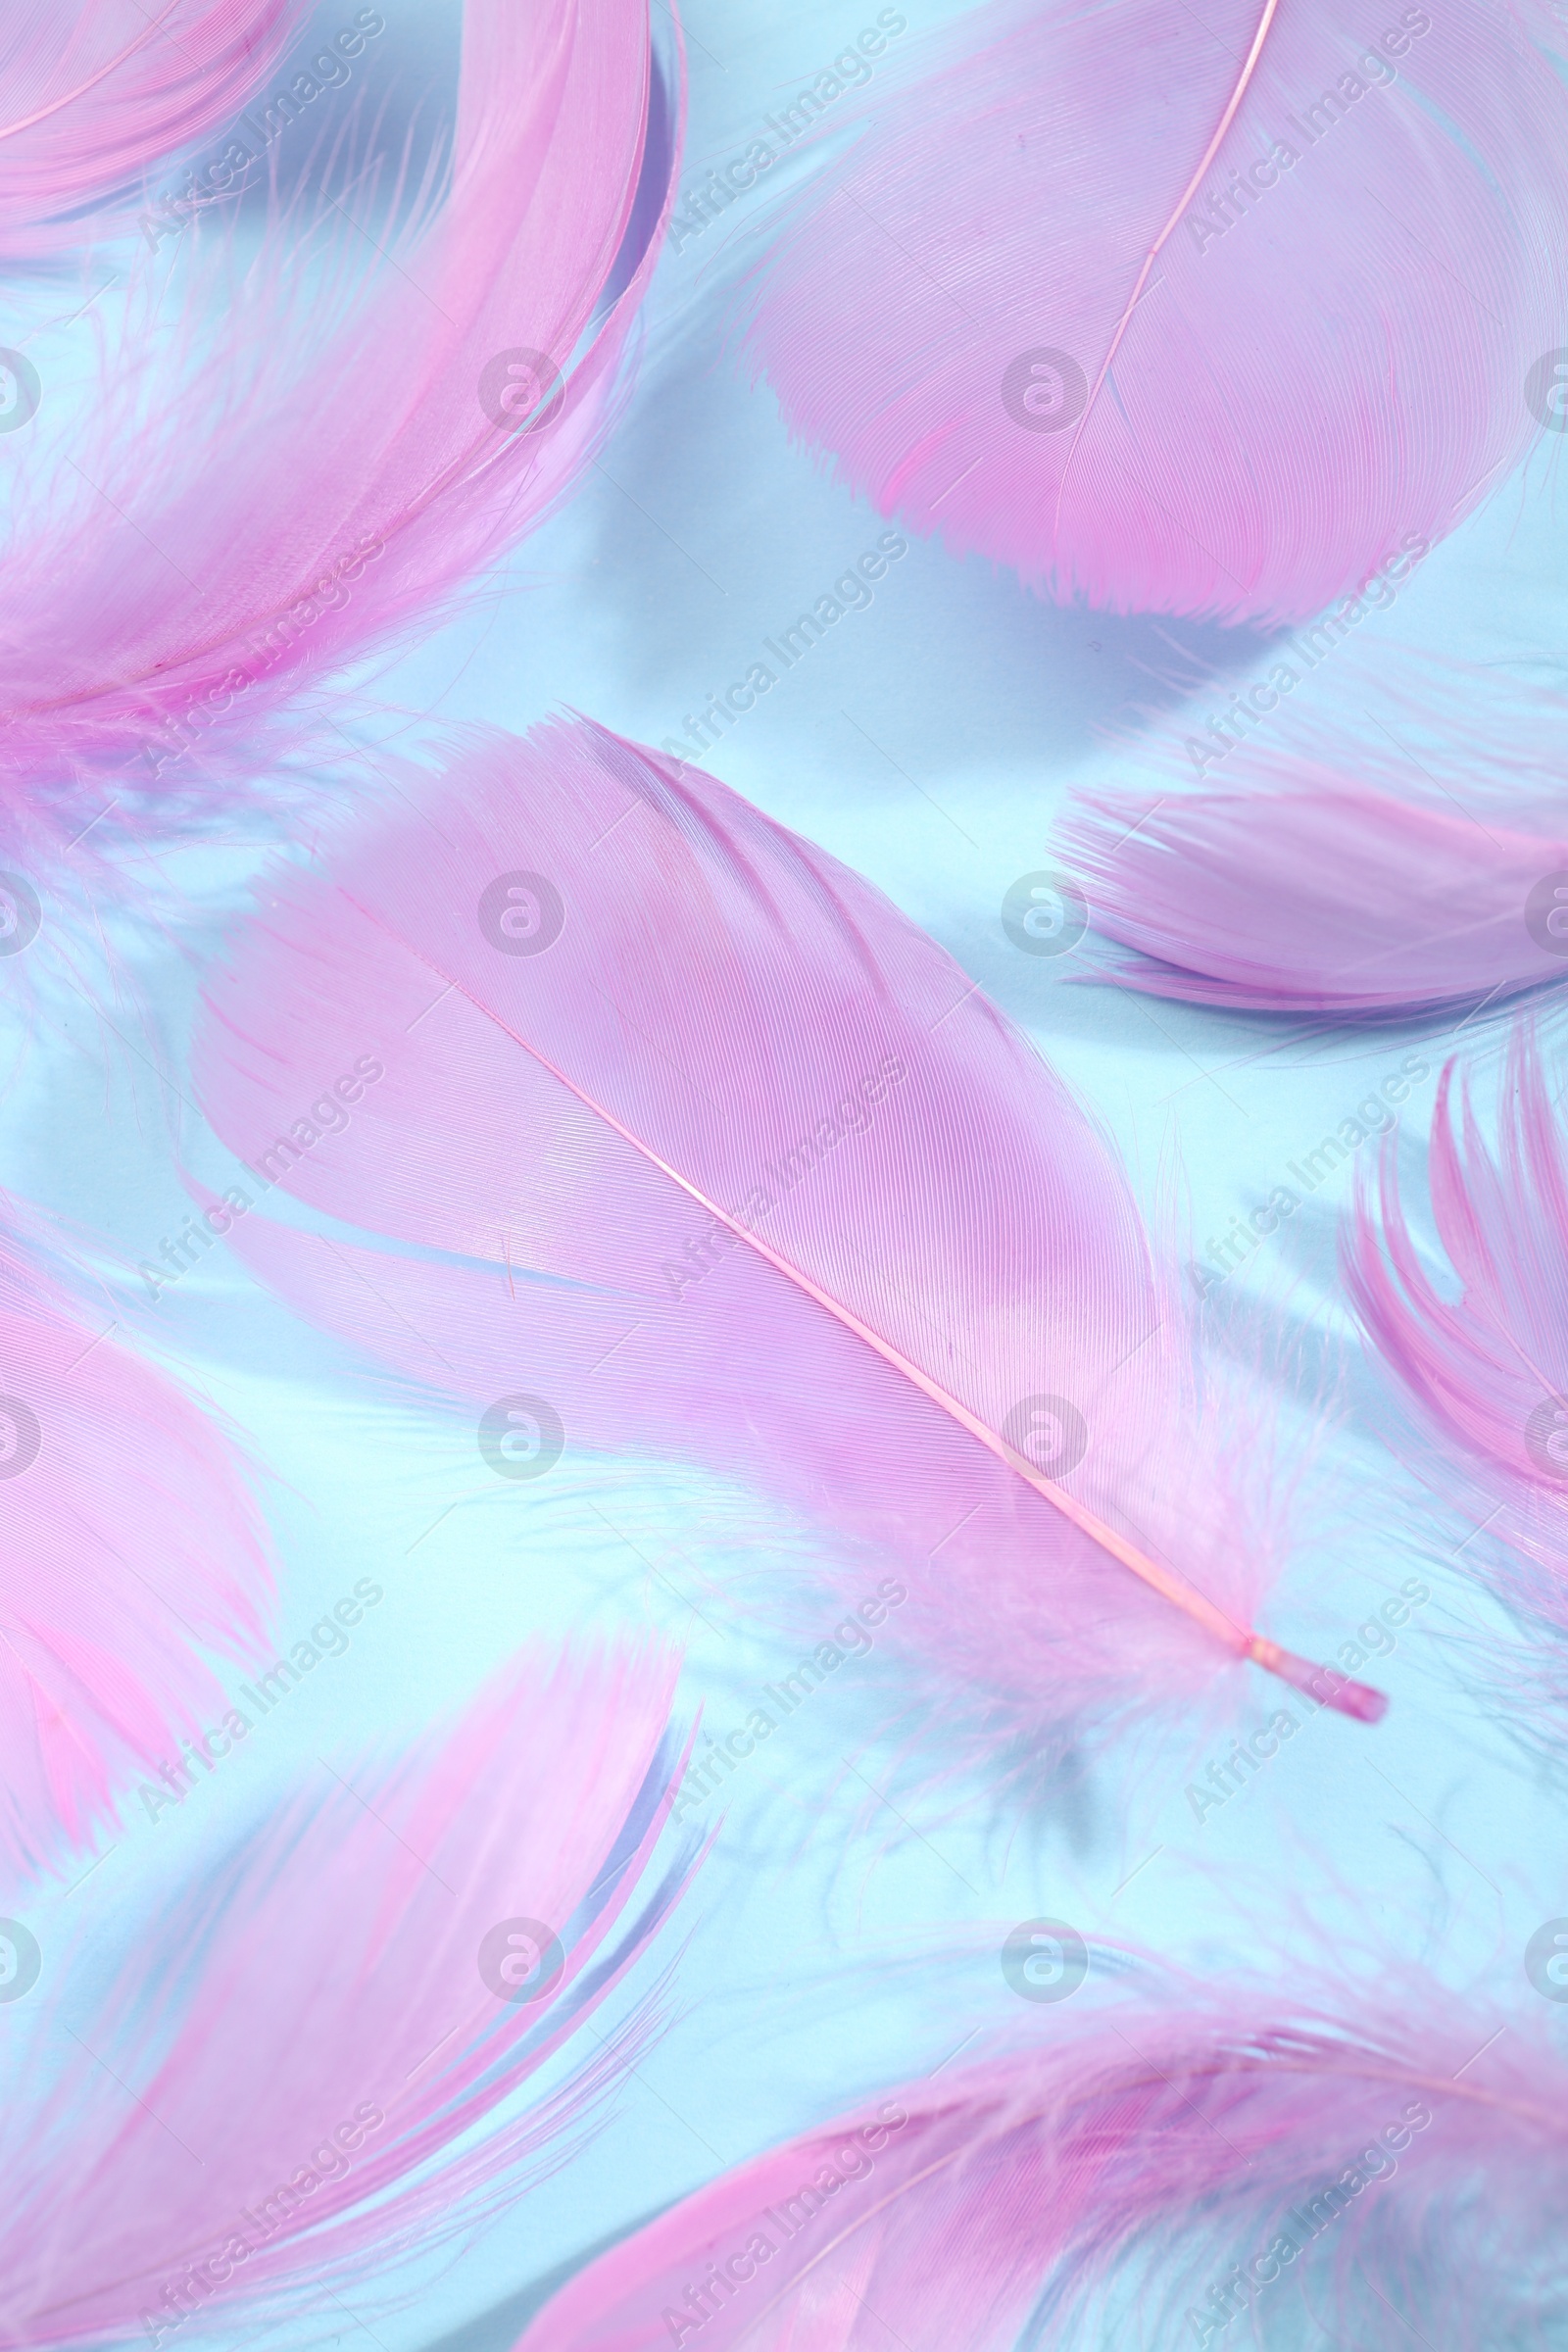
{"type": "Point", "coordinates": [1403, 860]}
{"type": "Point", "coordinates": [694, 1138]}
{"type": "Point", "coordinates": [358, 437]}
{"type": "Point", "coordinates": [97, 91]}
{"type": "Point", "coordinates": [1148, 2180]}
{"type": "Point", "coordinates": [271, 2101]}
{"type": "Point", "coordinates": [1010, 315]}
{"type": "Point", "coordinates": [130, 1547]}
{"type": "Point", "coordinates": [1487, 1370]}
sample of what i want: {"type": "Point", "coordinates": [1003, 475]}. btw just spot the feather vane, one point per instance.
{"type": "Point", "coordinates": [1163, 312]}
{"type": "Point", "coordinates": [360, 440]}
{"type": "Point", "coordinates": [131, 1547]}
{"type": "Point", "coordinates": [1148, 2179]}
{"type": "Point", "coordinates": [1486, 1372]}
{"type": "Point", "coordinates": [1403, 853]}
{"type": "Point", "coordinates": [686, 1132]}
{"type": "Point", "coordinates": [97, 91]}
{"type": "Point", "coordinates": [331, 2012]}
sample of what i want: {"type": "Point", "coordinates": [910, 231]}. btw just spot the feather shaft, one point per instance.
{"type": "Point", "coordinates": [1173, 222]}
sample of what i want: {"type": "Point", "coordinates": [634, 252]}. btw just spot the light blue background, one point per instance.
{"type": "Point", "coordinates": [837, 1935]}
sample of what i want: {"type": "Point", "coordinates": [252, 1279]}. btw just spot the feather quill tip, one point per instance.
{"type": "Point", "coordinates": [1325, 1683]}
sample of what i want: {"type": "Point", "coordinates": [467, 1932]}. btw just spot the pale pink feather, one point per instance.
{"type": "Point", "coordinates": [1395, 854]}
{"type": "Point", "coordinates": [739, 1166]}
{"type": "Point", "coordinates": [1011, 316]}
{"type": "Point", "coordinates": [1135, 2182]}
{"type": "Point", "coordinates": [287, 2069]}
{"type": "Point", "coordinates": [1480, 1351]}
{"type": "Point", "coordinates": [94, 92]}
{"type": "Point", "coordinates": [129, 1548]}
{"type": "Point", "coordinates": [332, 441]}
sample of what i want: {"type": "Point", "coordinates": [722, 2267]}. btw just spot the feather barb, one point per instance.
{"type": "Point", "coordinates": [41, 113]}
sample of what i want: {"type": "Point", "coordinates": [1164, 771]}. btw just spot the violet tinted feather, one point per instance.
{"type": "Point", "coordinates": [329, 1975]}
{"type": "Point", "coordinates": [93, 93]}
{"type": "Point", "coordinates": [1240, 421]}
{"type": "Point", "coordinates": [738, 1166]}
{"type": "Point", "coordinates": [1487, 1371]}
{"type": "Point", "coordinates": [1108, 2186]}
{"type": "Point", "coordinates": [1394, 855]}
{"type": "Point", "coordinates": [130, 1547]}
{"type": "Point", "coordinates": [352, 447]}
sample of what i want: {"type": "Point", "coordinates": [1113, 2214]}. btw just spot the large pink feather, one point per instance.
{"type": "Point", "coordinates": [328, 2014]}
{"type": "Point", "coordinates": [1014, 316]}
{"type": "Point", "coordinates": [1403, 854]}
{"type": "Point", "coordinates": [357, 435]}
{"type": "Point", "coordinates": [129, 1548]}
{"type": "Point", "coordinates": [1146, 2182]}
{"type": "Point", "coordinates": [1487, 1371]}
{"type": "Point", "coordinates": [707, 1148]}
{"type": "Point", "coordinates": [92, 92]}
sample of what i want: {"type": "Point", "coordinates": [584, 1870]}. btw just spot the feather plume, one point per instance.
{"type": "Point", "coordinates": [687, 1141]}
{"type": "Point", "coordinates": [294, 487]}
{"type": "Point", "coordinates": [1165, 311]}
{"type": "Point", "coordinates": [1148, 2180]}
{"type": "Point", "coordinates": [364, 1984]}
{"type": "Point", "coordinates": [1405, 854]}
{"type": "Point", "coordinates": [95, 91]}
{"type": "Point", "coordinates": [131, 1547]}
{"type": "Point", "coordinates": [1485, 1371]}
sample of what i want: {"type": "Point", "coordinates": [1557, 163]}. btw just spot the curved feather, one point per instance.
{"type": "Point", "coordinates": [92, 92]}
{"type": "Point", "coordinates": [1149, 2181]}
{"type": "Point", "coordinates": [1400, 854]}
{"type": "Point", "coordinates": [128, 1546]}
{"type": "Point", "coordinates": [1016, 318]}
{"type": "Point", "coordinates": [368, 428]}
{"type": "Point", "coordinates": [722, 1158]}
{"type": "Point", "coordinates": [315, 2030]}
{"type": "Point", "coordinates": [1485, 1370]}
